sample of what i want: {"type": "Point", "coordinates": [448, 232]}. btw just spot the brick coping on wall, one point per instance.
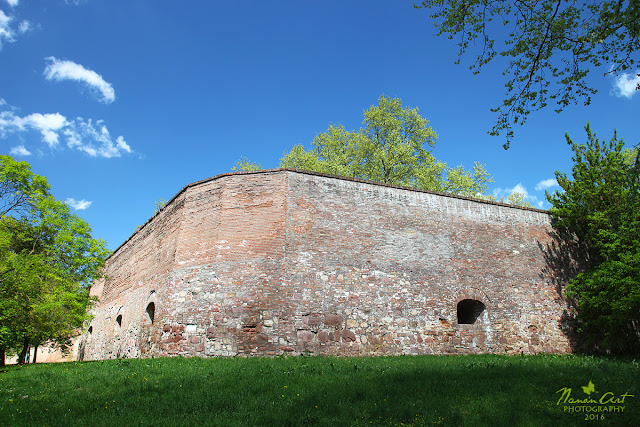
{"type": "Point", "coordinates": [327, 175]}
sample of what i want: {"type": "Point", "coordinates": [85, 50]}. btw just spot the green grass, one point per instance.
{"type": "Point", "coordinates": [406, 390]}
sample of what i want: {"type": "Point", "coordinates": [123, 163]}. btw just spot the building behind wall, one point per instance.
{"type": "Point", "coordinates": [287, 262]}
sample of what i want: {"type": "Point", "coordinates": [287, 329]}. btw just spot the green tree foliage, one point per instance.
{"type": "Point", "coordinates": [551, 46]}
{"type": "Point", "coordinates": [515, 199]}
{"type": "Point", "coordinates": [392, 148]}
{"type": "Point", "coordinates": [160, 203]}
{"type": "Point", "coordinates": [601, 207]}
{"type": "Point", "coordinates": [19, 187]}
{"type": "Point", "coordinates": [244, 164]}
{"type": "Point", "coordinates": [48, 259]}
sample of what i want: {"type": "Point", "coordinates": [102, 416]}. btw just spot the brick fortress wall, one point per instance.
{"type": "Point", "coordinates": [287, 262]}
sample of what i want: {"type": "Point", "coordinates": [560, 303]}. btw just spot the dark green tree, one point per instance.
{"type": "Point", "coordinates": [601, 207]}
{"type": "Point", "coordinates": [551, 46]}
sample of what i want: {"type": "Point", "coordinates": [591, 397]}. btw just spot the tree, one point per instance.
{"type": "Point", "coordinates": [19, 187]}
{"type": "Point", "coordinates": [390, 148]}
{"type": "Point", "coordinates": [551, 46]}
{"type": "Point", "coordinates": [160, 203]}
{"type": "Point", "coordinates": [48, 260]}
{"type": "Point", "coordinates": [516, 199]}
{"type": "Point", "coordinates": [244, 164]}
{"type": "Point", "coordinates": [601, 207]}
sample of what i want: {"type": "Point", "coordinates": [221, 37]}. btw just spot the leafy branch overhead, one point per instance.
{"type": "Point", "coordinates": [551, 47]}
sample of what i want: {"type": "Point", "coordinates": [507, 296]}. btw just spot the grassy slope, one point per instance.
{"type": "Point", "coordinates": [423, 390]}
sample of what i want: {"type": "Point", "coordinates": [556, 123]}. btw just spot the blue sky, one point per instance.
{"type": "Point", "coordinates": [121, 103]}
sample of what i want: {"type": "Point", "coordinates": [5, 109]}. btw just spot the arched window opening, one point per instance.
{"type": "Point", "coordinates": [151, 311]}
{"type": "Point", "coordinates": [90, 330]}
{"type": "Point", "coordinates": [469, 310]}
{"type": "Point", "coordinates": [119, 320]}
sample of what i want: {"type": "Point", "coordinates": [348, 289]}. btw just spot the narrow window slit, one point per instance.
{"type": "Point", "coordinates": [151, 312]}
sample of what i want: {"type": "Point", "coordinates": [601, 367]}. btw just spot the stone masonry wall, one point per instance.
{"type": "Point", "coordinates": [135, 275]}
{"type": "Point", "coordinates": [287, 262]}
{"type": "Point", "coordinates": [388, 267]}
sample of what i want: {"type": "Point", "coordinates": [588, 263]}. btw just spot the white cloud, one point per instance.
{"type": "Point", "coordinates": [547, 183]}
{"type": "Point", "coordinates": [503, 192]}
{"type": "Point", "coordinates": [6, 122]}
{"type": "Point", "coordinates": [24, 27]}
{"type": "Point", "coordinates": [535, 201]}
{"type": "Point", "coordinates": [94, 139]}
{"type": "Point", "coordinates": [625, 84]}
{"type": "Point", "coordinates": [47, 124]}
{"type": "Point", "coordinates": [88, 136]}
{"type": "Point", "coordinates": [67, 70]}
{"type": "Point", "coordinates": [78, 204]}
{"type": "Point", "coordinates": [519, 188]}
{"type": "Point", "coordinates": [500, 192]}
{"type": "Point", "coordinates": [20, 151]}
{"type": "Point", "coordinates": [121, 143]}
{"type": "Point", "coordinates": [6, 32]}
{"type": "Point", "coordinates": [13, 3]}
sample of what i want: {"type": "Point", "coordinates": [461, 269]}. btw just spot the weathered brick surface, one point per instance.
{"type": "Point", "coordinates": [282, 262]}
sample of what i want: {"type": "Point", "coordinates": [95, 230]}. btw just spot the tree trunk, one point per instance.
{"type": "Point", "coordinates": [35, 353]}
{"type": "Point", "coordinates": [23, 353]}
{"type": "Point", "coordinates": [1, 356]}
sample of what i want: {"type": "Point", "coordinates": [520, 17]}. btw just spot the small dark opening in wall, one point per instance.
{"type": "Point", "coordinates": [90, 329]}
{"type": "Point", "coordinates": [151, 311]}
{"type": "Point", "coordinates": [119, 320]}
{"type": "Point", "coordinates": [469, 310]}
